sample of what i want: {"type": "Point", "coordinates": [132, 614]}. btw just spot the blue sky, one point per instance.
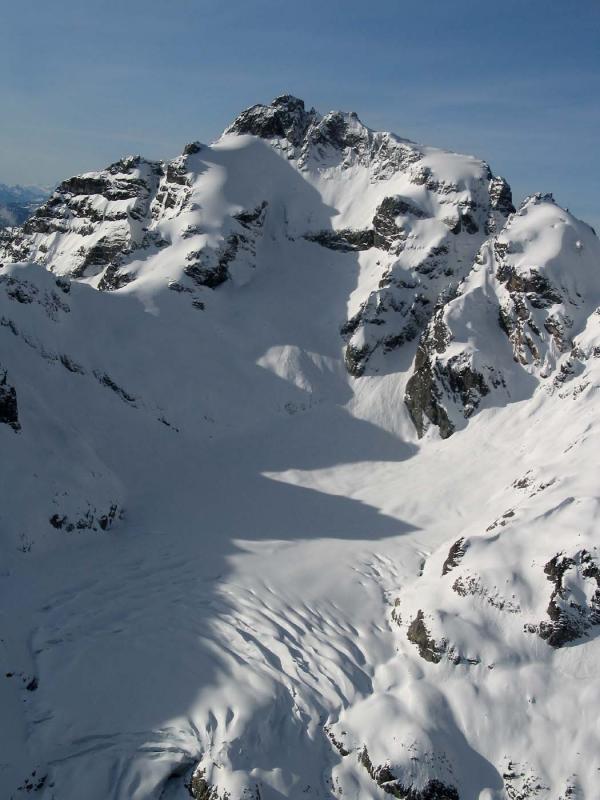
{"type": "Point", "coordinates": [83, 82]}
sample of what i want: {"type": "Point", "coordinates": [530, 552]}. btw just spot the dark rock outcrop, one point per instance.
{"type": "Point", "coordinates": [385, 778]}
{"type": "Point", "coordinates": [107, 381]}
{"type": "Point", "coordinates": [501, 196]}
{"type": "Point", "coordinates": [423, 397]}
{"type": "Point", "coordinates": [529, 291]}
{"type": "Point", "coordinates": [501, 205]}
{"type": "Point", "coordinates": [211, 268]}
{"type": "Point", "coordinates": [9, 412]}
{"type": "Point", "coordinates": [435, 384]}
{"type": "Point", "coordinates": [285, 118]}
{"type": "Point", "coordinates": [571, 614]}
{"type": "Point", "coordinates": [355, 359]}
{"type": "Point", "coordinates": [387, 233]}
{"type": "Point", "coordinates": [92, 519]}
{"type": "Point", "coordinates": [83, 184]}
{"type": "Point", "coordinates": [249, 218]}
{"type": "Point", "coordinates": [113, 278]}
{"type": "Point", "coordinates": [192, 148]}
{"type": "Point", "coordinates": [345, 241]}
{"type": "Point", "coordinates": [336, 742]}
{"type": "Point", "coordinates": [211, 276]}
{"type": "Point", "coordinates": [419, 635]}
{"type": "Point", "coordinates": [206, 270]}
{"type": "Point", "coordinates": [455, 555]}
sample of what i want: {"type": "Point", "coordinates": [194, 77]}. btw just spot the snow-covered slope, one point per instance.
{"type": "Point", "coordinates": [242, 553]}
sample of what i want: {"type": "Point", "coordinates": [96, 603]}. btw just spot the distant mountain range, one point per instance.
{"type": "Point", "coordinates": [17, 203]}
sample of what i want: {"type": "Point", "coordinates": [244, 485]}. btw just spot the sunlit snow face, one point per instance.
{"type": "Point", "coordinates": [231, 562]}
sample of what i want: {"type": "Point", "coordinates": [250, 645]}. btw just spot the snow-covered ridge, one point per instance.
{"type": "Point", "coordinates": [414, 217]}
{"type": "Point", "coordinates": [242, 555]}
{"type": "Point", "coordinates": [515, 320]}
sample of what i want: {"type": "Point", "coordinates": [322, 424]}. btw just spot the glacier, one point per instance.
{"type": "Point", "coordinates": [299, 490]}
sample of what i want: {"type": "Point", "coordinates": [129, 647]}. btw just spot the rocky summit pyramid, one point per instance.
{"type": "Point", "coordinates": [299, 487]}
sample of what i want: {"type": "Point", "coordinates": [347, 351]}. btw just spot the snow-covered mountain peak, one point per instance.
{"type": "Point", "coordinates": [299, 436]}
{"type": "Point", "coordinates": [285, 118]}
{"type": "Point", "coordinates": [411, 218]}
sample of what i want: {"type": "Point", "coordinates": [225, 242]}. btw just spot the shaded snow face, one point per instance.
{"type": "Point", "coordinates": [231, 567]}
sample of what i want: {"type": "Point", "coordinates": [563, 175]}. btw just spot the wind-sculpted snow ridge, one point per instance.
{"type": "Point", "coordinates": [242, 555]}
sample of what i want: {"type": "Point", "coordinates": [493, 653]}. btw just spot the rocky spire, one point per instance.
{"type": "Point", "coordinates": [285, 118]}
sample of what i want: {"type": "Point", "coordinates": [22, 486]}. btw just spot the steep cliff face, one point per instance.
{"type": "Point", "coordinates": [514, 322]}
{"type": "Point", "coordinates": [425, 229]}
{"type": "Point", "coordinates": [243, 554]}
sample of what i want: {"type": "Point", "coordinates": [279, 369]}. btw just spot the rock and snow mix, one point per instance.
{"type": "Point", "coordinates": [299, 436]}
